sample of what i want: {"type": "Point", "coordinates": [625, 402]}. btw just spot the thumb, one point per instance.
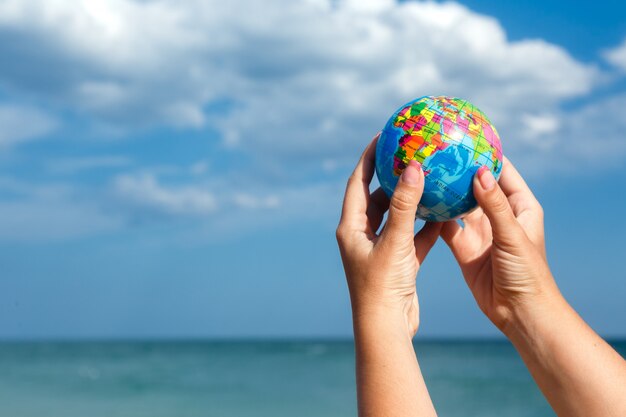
{"type": "Point", "coordinates": [505, 228]}
{"type": "Point", "coordinates": [404, 201]}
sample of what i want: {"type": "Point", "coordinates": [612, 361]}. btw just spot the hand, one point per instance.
{"type": "Point", "coordinates": [501, 249]}
{"type": "Point", "coordinates": [381, 268]}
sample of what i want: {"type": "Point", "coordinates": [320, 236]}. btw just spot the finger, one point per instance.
{"type": "Point", "coordinates": [379, 204]}
{"type": "Point", "coordinates": [514, 187]}
{"type": "Point", "coordinates": [404, 201]}
{"type": "Point", "coordinates": [357, 194]}
{"type": "Point", "coordinates": [511, 181]}
{"type": "Point", "coordinates": [476, 225]}
{"type": "Point", "coordinates": [425, 239]}
{"type": "Point", "coordinates": [524, 203]}
{"type": "Point", "coordinates": [452, 234]}
{"type": "Point", "coordinates": [474, 217]}
{"type": "Point", "coordinates": [505, 228]}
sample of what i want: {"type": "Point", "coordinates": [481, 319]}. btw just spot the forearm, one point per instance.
{"type": "Point", "coordinates": [577, 371]}
{"type": "Point", "coordinates": [389, 380]}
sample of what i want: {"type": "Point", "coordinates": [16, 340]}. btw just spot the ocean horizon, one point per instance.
{"type": "Point", "coordinates": [249, 377]}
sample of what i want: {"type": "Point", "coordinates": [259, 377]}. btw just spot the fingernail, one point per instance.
{"type": "Point", "coordinates": [411, 174]}
{"type": "Point", "coordinates": [486, 179]}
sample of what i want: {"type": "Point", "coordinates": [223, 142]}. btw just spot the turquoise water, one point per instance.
{"type": "Point", "coordinates": [225, 379]}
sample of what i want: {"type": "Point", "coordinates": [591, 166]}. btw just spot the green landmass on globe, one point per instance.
{"type": "Point", "coordinates": [451, 138]}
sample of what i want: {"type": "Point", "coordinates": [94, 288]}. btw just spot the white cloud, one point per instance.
{"type": "Point", "coordinates": [617, 56]}
{"type": "Point", "coordinates": [213, 205]}
{"type": "Point", "coordinates": [313, 78]}
{"type": "Point", "coordinates": [540, 130]}
{"type": "Point", "coordinates": [363, 65]}
{"type": "Point", "coordinates": [21, 123]}
{"type": "Point", "coordinates": [146, 192]}
{"type": "Point", "coordinates": [539, 124]}
{"type": "Point", "coordinates": [595, 134]}
{"type": "Point", "coordinates": [265, 208]}
{"type": "Point", "coordinates": [32, 212]}
{"type": "Point", "coordinates": [590, 135]}
{"type": "Point", "coordinates": [296, 89]}
{"type": "Point", "coordinates": [249, 201]}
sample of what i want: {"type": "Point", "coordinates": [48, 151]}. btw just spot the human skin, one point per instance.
{"type": "Point", "coordinates": [380, 270]}
{"type": "Point", "coordinates": [500, 249]}
{"type": "Point", "coordinates": [502, 255]}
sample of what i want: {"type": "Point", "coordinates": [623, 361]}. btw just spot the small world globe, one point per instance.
{"type": "Point", "coordinates": [452, 139]}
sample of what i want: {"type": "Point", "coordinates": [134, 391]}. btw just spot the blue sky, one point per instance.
{"type": "Point", "coordinates": [175, 169]}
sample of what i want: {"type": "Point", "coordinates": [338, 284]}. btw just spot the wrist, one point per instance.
{"type": "Point", "coordinates": [388, 319]}
{"type": "Point", "coordinates": [527, 318]}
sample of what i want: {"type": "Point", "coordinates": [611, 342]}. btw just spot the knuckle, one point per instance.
{"type": "Point", "coordinates": [344, 235]}
{"type": "Point", "coordinates": [340, 233]}
{"type": "Point", "coordinates": [402, 201]}
{"type": "Point", "coordinates": [500, 204]}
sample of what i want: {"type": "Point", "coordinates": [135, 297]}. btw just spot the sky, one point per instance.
{"type": "Point", "coordinates": [175, 169]}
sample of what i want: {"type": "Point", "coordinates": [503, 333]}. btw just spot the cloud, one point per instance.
{"type": "Point", "coordinates": [539, 124]}
{"type": "Point", "coordinates": [217, 205]}
{"type": "Point", "coordinates": [21, 123]}
{"type": "Point", "coordinates": [294, 89]}
{"type": "Point", "coordinates": [320, 94]}
{"type": "Point", "coordinates": [121, 62]}
{"type": "Point", "coordinates": [253, 209]}
{"type": "Point", "coordinates": [51, 212]}
{"type": "Point", "coordinates": [313, 78]}
{"type": "Point", "coordinates": [35, 212]}
{"type": "Point", "coordinates": [595, 134]}
{"type": "Point", "coordinates": [539, 131]}
{"type": "Point", "coordinates": [617, 56]}
{"type": "Point", "coordinates": [144, 191]}
{"type": "Point", "coordinates": [249, 201]}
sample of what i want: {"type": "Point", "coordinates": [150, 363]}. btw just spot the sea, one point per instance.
{"type": "Point", "coordinates": [249, 378]}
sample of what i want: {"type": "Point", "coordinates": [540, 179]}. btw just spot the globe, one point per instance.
{"type": "Point", "coordinates": [452, 139]}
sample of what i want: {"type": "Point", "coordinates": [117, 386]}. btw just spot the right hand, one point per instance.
{"type": "Point", "coordinates": [501, 249]}
{"type": "Point", "coordinates": [381, 268]}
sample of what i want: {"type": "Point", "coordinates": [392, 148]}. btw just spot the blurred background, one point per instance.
{"type": "Point", "coordinates": [171, 175]}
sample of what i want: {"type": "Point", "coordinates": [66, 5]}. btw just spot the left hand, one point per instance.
{"type": "Point", "coordinates": [381, 268]}
{"type": "Point", "coordinates": [501, 251]}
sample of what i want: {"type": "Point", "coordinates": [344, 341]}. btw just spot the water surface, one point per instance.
{"type": "Point", "coordinates": [241, 379]}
